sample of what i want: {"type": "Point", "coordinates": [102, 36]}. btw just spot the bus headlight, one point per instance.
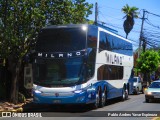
{"type": "Point", "coordinates": [78, 91]}
{"type": "Point", "coordinates": [37, 91]}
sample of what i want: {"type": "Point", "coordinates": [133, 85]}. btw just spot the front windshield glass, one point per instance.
{"type": "Point", "coordinates": [155, 85]}
{"type": "Point", "coordinates": [61, 40]}
{"type": "Point", "coordinates": [56, 72]}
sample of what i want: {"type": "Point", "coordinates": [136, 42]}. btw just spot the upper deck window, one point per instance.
{"type": "Point", "coordinates": [115, 44]}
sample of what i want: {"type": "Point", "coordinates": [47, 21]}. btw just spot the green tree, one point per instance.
{"type": "Point", "coordinates": [70, 11]}
{"type": "Point", "coordinates": [131, 13]}
{"type": "Point", "coordinates": [20, 22]}
{"type": "Point", "coordinates": [148, 62]}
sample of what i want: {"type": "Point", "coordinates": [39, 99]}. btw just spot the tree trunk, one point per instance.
{"type": "Point", "coordinates": [145, 79]}
{"type": "Point", "coordinates": [126, 36]}
{"type": "Point", "coordinates": [14, 68]}
{"type": "Point", "coordinates": [14, 86]}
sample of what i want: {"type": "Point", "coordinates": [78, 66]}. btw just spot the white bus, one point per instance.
{"type": "Point", "coordinates": [81, 64]}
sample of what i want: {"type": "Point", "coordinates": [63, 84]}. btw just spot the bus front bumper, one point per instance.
{"type": "Point", "coordinates": [75, 98]}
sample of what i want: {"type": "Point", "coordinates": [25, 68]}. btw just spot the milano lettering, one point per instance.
{"type": "Point", "coordinates": [113, 59]}
{"type": "Point", "coordinates": [60, 55]}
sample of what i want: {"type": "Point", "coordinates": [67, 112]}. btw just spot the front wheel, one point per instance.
{"type": "Point", "coordinates": [97, 102]}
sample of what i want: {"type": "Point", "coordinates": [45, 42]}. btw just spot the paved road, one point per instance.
{"type": "Point", "coordinates": [113, 108]}
{"type": "Point", "coordinates": [134, 103]}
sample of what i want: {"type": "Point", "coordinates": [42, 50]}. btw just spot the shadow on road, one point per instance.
{"type": "Point", "coordinates": [32, 107]}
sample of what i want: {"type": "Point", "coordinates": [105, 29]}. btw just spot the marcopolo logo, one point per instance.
{"type": "Point", "coordinates": [56, 94]}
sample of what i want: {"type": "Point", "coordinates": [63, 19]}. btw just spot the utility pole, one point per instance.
{"type": "Point", "coordinates": [141, 33]}
{"type": "Point", "coordinates": [145, 76]}
{"type": "Point", "coordinates": [96, 12]}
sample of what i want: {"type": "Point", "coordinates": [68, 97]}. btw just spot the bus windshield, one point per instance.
{"type": "Point", "coordinates": [58, 72]}
{"type": "Point", "coordinates": [61, 40]}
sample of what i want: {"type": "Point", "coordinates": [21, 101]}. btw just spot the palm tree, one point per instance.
{"type": "Point", "coordinates": [131, 13]}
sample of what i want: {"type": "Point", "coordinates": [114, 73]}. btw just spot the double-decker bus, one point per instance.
{"type": "Point", "coordinates": [80, 64]}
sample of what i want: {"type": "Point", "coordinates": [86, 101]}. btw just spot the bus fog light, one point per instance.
{"type": "Point", "coordinates": [80, 98]}
{"type": "Point", "coordinates": [89, 95]}
{"type": "Point", "coordinates": [36, 99]}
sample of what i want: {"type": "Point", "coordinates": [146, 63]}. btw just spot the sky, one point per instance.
{"type": "Point", "coordinates": [109, 11]}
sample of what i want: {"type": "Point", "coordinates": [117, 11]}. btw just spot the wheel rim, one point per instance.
{"type": "Point", "coordinates": [103, 99]}
{"type": "Point", "coordinates": [123, 94]}
{"type": "Point", "coordinates": [126, 94]}
{"type": "Point", "coordinates": [97, 100]}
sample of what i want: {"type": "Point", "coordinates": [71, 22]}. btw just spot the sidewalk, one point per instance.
{"type": "Point", "coordinates": [6, 106]}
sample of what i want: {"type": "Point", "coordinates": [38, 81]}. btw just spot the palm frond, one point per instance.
{"type": "Point", "coordinates": [130, 11]}
{"type": "Point", "coordinates": [130, 14]}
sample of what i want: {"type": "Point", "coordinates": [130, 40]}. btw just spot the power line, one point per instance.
{"type": "Point", "coordinates": [151, 31]}
{"type": "Point", "coordinates": [104, 16]}
{"type": "Point", "coordinates": [151, 37]}
{"type": "Point", "coordinates": [153, 14]}
{"type": "Point", "coordinates": [117, 26]}
{"type": "Point", "coordinates": [148, 22]}
{"type": "Point", "coordinates": [104, 6]}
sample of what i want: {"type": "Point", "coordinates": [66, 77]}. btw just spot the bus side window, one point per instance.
{"type": "Point", "coordinates": [100, 73]}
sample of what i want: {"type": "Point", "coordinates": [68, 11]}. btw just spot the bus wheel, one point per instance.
{"type": "Point", "coordinates": [124, 94]}
{"type": "Point", "coordinates": [103, 98]}
{"type": "Point", "coordinates": [97, 102]}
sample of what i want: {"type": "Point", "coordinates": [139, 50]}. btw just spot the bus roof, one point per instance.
{"type": "Point", "coordinates": [79, 25]}
{"type": "Point", "coordinates": [112, 31]}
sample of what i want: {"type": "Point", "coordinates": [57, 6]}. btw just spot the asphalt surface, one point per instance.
{"type": "Point", "coordinates": [135, 108]}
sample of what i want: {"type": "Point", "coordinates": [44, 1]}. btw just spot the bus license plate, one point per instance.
{"type": "Point", "coordinates": [56, 101]}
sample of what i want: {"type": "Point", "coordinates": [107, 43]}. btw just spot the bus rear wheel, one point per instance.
{"type": "Point", "coordinates": [124, 94]}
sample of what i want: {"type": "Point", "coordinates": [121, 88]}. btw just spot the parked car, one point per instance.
{"type": "Point", "coordinates": [136, 85]}
{"type": "Point", "coordinates": [153, 91]}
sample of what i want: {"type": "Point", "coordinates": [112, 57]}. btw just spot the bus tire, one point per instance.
{"type": "Point", "coordinates": [103, 98]}
{"type": "Point", "coordinates": [97, 102]}
{"type": "Point", "coordinates": [124, 94]}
